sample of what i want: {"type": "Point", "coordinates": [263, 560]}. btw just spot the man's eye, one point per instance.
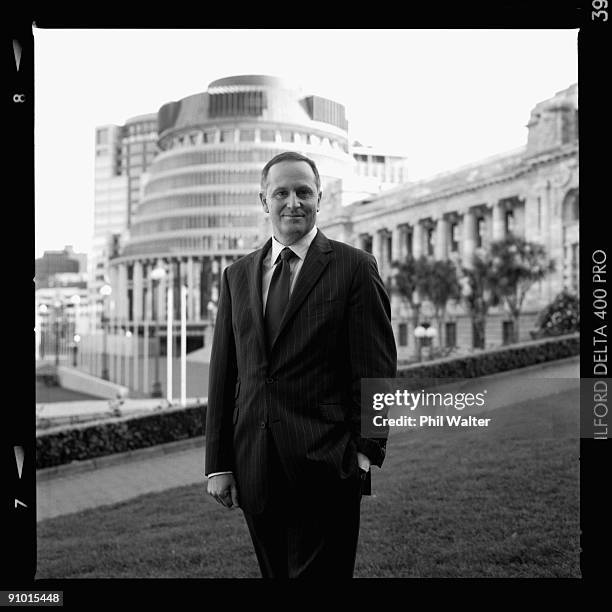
{"type": "Point", "coordinates": [305, 193]}
{"type": "Point", "coordinates": [281, 194]}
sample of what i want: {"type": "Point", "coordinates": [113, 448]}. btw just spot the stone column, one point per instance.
{"type": "Point", "coordinates": [417, 240]}
{"type": "Point", "coordinates": [376, 247]}
{"type": "Point", "coordinates": [519, 218]}
{"type": "Point", "coordinates": [137, 291]}
{"type": "Point", "coordinates": [396, 243]}
{"type": "Point", "coordinates": [197, 279]}
{"type": "Point", "coordinates": [469, 236]}
{"type": "Point", "coordinates": [441, 251]}
{"type": "Point", "coordinates": [161, 294]}
{"type": "Point", "coordinates": [499, 223]}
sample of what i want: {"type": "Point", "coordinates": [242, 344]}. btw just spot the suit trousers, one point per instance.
{"type": "Point", "coordinates": [306, 534]}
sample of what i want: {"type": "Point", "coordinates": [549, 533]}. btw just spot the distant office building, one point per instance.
{"type": "Point", "coordinates": [200, 208]}
{"type": "Point", "coordinates": [53, 263]}
{"type": "Point", "coordinates": [123, 155]}
{"type": "Point", "coordinates": [532, 192]}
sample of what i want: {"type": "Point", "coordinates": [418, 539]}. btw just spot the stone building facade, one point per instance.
{"type": "Point", "coordinates": [532, 192]}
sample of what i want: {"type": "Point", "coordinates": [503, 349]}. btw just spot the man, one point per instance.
{"type": "Point", "coordinates": [300, 322]}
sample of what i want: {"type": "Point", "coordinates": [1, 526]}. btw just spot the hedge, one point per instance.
{"type": "Point", "coordinates": [89, 441]}
{"type": "Point", "coordinates": [495, 360]}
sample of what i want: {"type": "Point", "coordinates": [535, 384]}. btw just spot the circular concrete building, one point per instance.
{"type": "Point", "coordinates": [200, 209]}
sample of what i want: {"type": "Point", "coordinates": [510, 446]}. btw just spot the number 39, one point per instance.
{"type": "Point", "coordinates": [597, 13]}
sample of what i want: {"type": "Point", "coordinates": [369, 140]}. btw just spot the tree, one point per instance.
{"type": "Point", "coordinates": [441, 284]}
{"type": "Point", "coordinates": [561, 316]}
{"type": "Point", "coordinates": [478, 285]}
{"type": "Point", "coordinates": [410, 281]}
{"type": "Point", "coordinates": [517, 265]}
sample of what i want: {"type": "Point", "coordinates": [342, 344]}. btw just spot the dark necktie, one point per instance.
{"type": "Point", "coordinates": [278, 295]}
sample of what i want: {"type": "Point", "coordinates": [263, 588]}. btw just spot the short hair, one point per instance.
{"type": "Point", "coordinates": [289, 156]}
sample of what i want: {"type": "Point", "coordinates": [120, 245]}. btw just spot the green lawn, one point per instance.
{"type": "Point", "coordinates": [501, 501]}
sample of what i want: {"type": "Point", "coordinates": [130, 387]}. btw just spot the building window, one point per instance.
{"type": "Point", "coordinates": [360, 158]}
{"type": "Point", "coordinates": [480, 231]}
{"type": "Point", "coordinates": [430, 241]}
{"type": "Point", "coordinates": [247, 135]}
{"type": "Point", "coordinates": [267, 135]}
{"type": "Point", "coordinates": [570, 208]}
{"type": "Point", "coordinates": [227, 136]}
{"type": "Point", "coordinates": [408, 244]}
{"type": "Point", "coordinates": [507, 331]}
{"type": "Point", "coordinates": [208, 136]}
{"type": "Point", "coordinates": [454, 232]}
{"type": "Point", "coordinates": [389, 247]}
{"type": "Point", "coordinates": [403, 334]}
{"type": "Point", "coordinates": [509, 221]}
{"type": "Point", "coordinates": [451, 334]}
{"type": "Point", "coordinates": [378, 159]}
{"type": "Point", "coordinates": [286, 135]}
{"type": "Point", "coordinates": [102, 137]}
{"type": "Point", "coordinates": [366, 242]}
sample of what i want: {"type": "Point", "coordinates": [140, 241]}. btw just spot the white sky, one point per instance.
{"type": "Point", "coordinates": [443, 98]}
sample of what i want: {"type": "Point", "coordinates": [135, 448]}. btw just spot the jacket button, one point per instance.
{"type": "Point", "coordinates": [269, 380]}
{"type": "Point", "coordinates": [262, 425]}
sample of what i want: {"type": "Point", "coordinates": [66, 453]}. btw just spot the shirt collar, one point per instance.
{"type": "Point", "coordinates": [300, 248]}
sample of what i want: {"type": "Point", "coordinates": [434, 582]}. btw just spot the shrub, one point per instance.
{"type": "Point", "coordinates": [561, 316]}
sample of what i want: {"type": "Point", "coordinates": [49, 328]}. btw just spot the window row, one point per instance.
{"type": "Point", "coordinates": [233, 219]}
{"type": "Point", "coordinates": [191, 200]}
{"type": "Point", "coordinates": [140, 128]}
{"type": "Point", "coordinates": [193, 243]}
{"type": "Point", "coordinates": [215, 177]}
{"type": "Point", "coordinates": [214, 156]}
{"type": "Point", "coordinates": [234, 135]}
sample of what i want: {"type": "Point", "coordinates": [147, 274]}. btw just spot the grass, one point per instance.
{"type": "Point", "coordinates": [501, 501]}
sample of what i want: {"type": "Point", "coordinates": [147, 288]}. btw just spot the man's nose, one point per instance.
{"type": "Point", "coordinates": [292, 200]}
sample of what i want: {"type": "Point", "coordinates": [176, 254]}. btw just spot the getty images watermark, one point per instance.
{"type": "Point", "coordinates": [530, 403]}
{"type": "Point", "coordinates": [430, 401]}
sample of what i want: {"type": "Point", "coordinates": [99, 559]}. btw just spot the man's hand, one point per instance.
{"type": "Point", "coordinates": [223, 488]}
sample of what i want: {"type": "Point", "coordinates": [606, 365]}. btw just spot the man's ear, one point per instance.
{"type": "Point", "coordinates": [319, 200]}
{"type": "Point", "coordinates": [263, 202]}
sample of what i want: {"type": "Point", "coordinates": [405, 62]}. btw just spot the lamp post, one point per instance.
{"type": "Point", "coordinates": [156, 276]}
{"type": "Point", "coordinates": [75, 348]}
{"type": "Point", "coordinates": [42, 310]}
{"type": "Point", "coordinates": [57, 305]}
{"type": "Point", "coordinates": [424, 333]}
{"type": "Point", "coordinates": [105, 291]}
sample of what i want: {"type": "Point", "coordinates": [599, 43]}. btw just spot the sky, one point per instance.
{"type": "Point", "coordinates": [442, 98]}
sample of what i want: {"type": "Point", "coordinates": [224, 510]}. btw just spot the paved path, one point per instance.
{"type": "Point", "coordinates": [120, 477]}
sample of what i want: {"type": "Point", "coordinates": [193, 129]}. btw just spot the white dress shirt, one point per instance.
{"type": "Point", "coordinates": [300, 248]}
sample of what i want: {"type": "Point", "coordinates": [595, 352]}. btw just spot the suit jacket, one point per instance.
{"type": "Point", "coordinates": [306, 389]}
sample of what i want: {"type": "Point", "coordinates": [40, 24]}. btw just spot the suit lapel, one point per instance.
{"type": "Point", "coordinates": [315, 262]}
{"type": "Point", "coordinates": [255, 293]}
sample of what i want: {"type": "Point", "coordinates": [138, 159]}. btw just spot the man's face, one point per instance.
{"type": "Point", "coordinates": [292, 199]}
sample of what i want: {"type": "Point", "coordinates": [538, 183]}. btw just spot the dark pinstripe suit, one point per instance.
{"type": "Point", "coordinates": [304, 394]}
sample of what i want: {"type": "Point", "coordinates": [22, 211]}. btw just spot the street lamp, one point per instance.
{"type": "Point", "coordinates": [156, 276]}
{"type": "Point", "coordinates": [105, 291]}
{"type": "Point", "coordinates": [424, 334]}
{"type": "Point", "coordinates": [57, 305]}
{"type": "Point", "coordinates": [75, 348]}
{"type": "Point", "coordinates": [42, 310]}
